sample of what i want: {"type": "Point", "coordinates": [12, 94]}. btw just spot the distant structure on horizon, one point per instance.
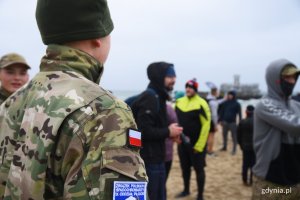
{"type": "Point", "coordinates": [243, 91]}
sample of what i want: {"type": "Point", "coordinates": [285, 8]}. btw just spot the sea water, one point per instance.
{"type": "Point", "coordinates": [124, 94]}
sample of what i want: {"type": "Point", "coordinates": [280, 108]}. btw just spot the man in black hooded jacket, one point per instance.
{"type": "Point", "coordinates": [151, 119]}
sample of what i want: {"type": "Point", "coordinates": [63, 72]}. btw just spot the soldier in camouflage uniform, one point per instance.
{"type": "Point", "coordinates": [63, 136]}
{"type": "Point", "coordinates": [13, 74]}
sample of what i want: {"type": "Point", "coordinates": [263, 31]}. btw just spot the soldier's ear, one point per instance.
{"type": "Point", "coordinates": [96, 42]}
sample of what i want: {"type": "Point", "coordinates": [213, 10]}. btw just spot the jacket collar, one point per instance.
{"type": "Point", "coordinates": [161, 91]}
{"type": "Point", "coordinates": [63, 58]}
{"type": "Point", "coordinates": [3, 93]}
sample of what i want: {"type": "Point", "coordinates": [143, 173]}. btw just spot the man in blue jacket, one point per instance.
{"type": "Point", "coordinates": [229, 111]}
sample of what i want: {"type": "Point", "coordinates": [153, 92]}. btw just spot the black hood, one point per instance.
{"type": "Point", "coordinates": [233, 93]}
{"type": "Point", "coordinates": [156, 73]}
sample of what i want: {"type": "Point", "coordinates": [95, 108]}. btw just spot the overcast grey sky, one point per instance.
{"type": "Point", "coordinates": [208, 39]}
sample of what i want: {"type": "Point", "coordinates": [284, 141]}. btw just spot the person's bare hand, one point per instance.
{"type": "Point", "coordinates": [175, 130]}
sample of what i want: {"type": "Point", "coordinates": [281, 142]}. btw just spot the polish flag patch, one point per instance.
{"type": "Point", "coordinates": [134, 138]}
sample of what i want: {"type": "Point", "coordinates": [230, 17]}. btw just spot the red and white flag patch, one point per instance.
{"type": "Point", "coordinates": [134, 138]}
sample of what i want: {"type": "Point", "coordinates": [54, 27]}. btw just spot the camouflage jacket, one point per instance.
{"type": "Point", "coordinates": [3, 95]}
{"type": "Point", "coordinates": [63, 136]}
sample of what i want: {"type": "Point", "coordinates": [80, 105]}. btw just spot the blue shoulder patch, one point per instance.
{"type": "Point", "coordinates": [127, 190]}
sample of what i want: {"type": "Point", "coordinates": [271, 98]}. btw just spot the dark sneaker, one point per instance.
{"type": "Point", "coordinates": [212, 154]}
{"type": "Point", "coordinates": [223, 149]}
{"type": "Point", "coordinates": [182, 194]}
{"type": "Point", "coordinates": [200, 198]}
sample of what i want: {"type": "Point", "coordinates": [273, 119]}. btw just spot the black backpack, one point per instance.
{"type": "Point", "coordinates": [133, 101]}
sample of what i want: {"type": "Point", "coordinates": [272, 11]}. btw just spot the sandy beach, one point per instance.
{"type": "Point", "coordinates": [223, 176]}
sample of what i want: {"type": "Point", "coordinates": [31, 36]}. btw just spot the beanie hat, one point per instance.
{"type": "Point", "coordinates": [233, 93]}
{"type": "Point", "coordinates": [61, 21]}
{"type": "Point", "coordinates": [192, 84]}
{"type": "Point", "coordinates": [170, 71]}
{"type": "Point", "coordinates": [11, 59]}
{"type": "Point", "coordinates": [250, 108]}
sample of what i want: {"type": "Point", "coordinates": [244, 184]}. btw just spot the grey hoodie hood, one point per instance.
{"type": "Point", "coordinates": [273, 74]}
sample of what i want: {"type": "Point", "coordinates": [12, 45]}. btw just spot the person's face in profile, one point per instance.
{"type": "Point", "coordinates": [170, 82]}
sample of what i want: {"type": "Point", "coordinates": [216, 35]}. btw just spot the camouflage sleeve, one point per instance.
{"type": "Point", "coordinates": [96, 153]}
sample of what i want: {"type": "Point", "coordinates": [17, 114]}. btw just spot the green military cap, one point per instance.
{"type": "Point", "coordinates": [290, 70]}
{"type": "Point", "coordinates": [62, 21]}
{"type": "Point", "coordinates": [12, 58]}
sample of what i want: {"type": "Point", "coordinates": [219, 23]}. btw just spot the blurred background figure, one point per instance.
{"type": "Point", "coordinates": [245, 140]}
{"type": "Point", "coordinates": [172, 118]}
{"type": "Point", "coordinates": [228, 114]}
{"type": "Point", "coordinates": [213, 103]}
{"type": "Point", "coordinates": [178, 94]}
{"type": "Point", "coordinates": [13, 74]}
{"type": "Point", "coordinates": [296, 97]}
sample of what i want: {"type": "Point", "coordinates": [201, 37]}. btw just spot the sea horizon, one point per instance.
{"type": "Point", "coordinates": [124, 94]}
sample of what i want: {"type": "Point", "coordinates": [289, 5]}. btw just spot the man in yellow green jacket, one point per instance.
{"type": "Point", "coordinates": [194, 116]}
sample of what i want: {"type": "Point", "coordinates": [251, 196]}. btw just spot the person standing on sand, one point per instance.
{"type": "Point", "coordinates": [194, 116]}
{"type": "Point", "coordinates": [229, 111]}
{"type": "Point", "coordinates": [213, 103]}
{"type": "Point", "coordinates": [277, 136]}
{"type": "Point", "coordinates": [172, 118]}
{"type": "Point", "coordinates": [245, 140]}
{"type": "Point", "coordinates": [151, 117]}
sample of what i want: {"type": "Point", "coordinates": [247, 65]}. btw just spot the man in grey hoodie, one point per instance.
{"type": "Point", "coordinates": [277, 136]}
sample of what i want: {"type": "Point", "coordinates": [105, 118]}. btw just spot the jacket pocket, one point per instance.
{"type": "Point", "coordinates": [116, 164]}
{"type": "Point", "coordinates": [124, 161]}
{"type": "Point", "coordinates": [120, 164]}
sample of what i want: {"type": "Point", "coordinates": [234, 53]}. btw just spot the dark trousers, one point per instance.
{"type": "Point", "coordinates": [232, 127]}
{"type": "Point", "coordinates": [248, 163]}
{"type": "Point", "coordinates": [157, 177]}
{"type": "Point", "coordinates": [189, 158]}
{"type": "Point", "coordinates": [168, 165]}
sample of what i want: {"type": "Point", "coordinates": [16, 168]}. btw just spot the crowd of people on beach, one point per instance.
{"type": "Point", "coordinates": [62, 136]}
